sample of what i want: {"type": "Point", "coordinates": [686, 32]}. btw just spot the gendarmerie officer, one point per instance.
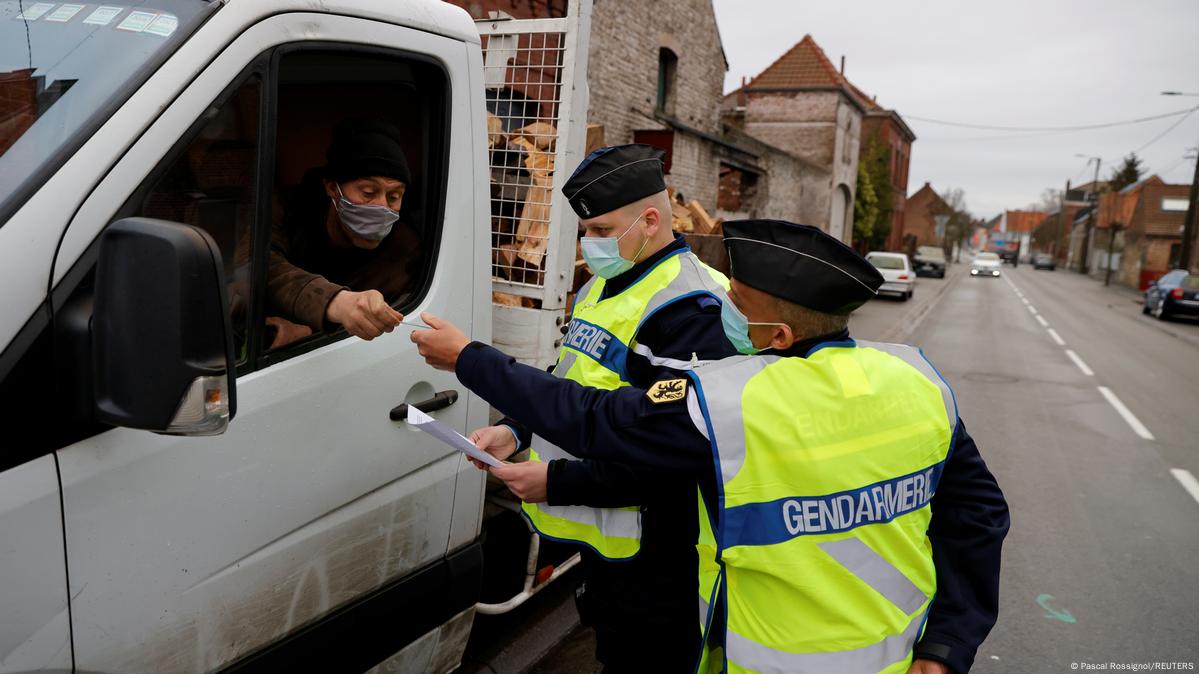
{"type": "Point", "coordinates": [651, 309]}
{"type": "Point", "coordinates": [851, 524]}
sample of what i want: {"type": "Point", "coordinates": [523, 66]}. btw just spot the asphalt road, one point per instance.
{"type": "Point", "coordinates": [1102, 563]}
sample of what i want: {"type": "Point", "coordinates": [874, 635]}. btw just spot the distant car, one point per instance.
{"type": "Point", "coordinates": [896, 268]}
{"type": "Point", "coordinates": [930, 261]}
{"type": "Point", "coordinates": [985, 264]}
{"type": "Point", "coordinates": [1008, 256]}
{"type": "Point", "coordinates": [1044, 261]}
{"type": "Point", "coordinates": [1175, 294]}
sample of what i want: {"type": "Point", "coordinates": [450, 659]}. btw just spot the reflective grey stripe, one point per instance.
{"type": "Point", "coordinates": [697, 415]}
{"type": "Point", "coordinates": [874, 570]}
{"type": "Point", "coordinates": [566, 360]}
{"type": "Point", "coordinates": [672, 363]}
{"type": "Point", "coordinates": [866, 660]}
{"type": "Point", "coordinates": [610, 521]}
{"type": "Point", "coordinates": [722, 384]}
{"type": "Point", "coordinates": [581, 296]}
{"type": "Point", "coordinates": [912, 356]}
{"type": "Point", "coordinates": [692, 277]}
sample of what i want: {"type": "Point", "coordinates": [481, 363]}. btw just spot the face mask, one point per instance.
{"type": "Point", "coordinates": [736, 328]}
{"type": "Point", "coordinates": [602, 253]}
{"type": "Point", "coordinates": [366, 221]}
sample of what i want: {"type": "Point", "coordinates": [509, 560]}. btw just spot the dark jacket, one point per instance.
{"type": "Point", "coordinates": [307, 269]}
{"type": "Point", "coordinates": [969, 512]}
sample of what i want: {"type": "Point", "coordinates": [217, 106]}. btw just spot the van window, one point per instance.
{"type": "Point", "coordinates": [327, 99]}
{"type": "Point", "coordinates": [210, 184]}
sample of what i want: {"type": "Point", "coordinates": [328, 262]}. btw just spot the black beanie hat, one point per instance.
{"type": "Point", "coordinates": [363, 147]}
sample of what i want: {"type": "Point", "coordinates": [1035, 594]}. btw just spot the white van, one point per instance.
{"type": "Point", "coordinates": [175, 494]}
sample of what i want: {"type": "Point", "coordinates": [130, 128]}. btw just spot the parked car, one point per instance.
{"type": "Point", "coordinates": [896, 268]}
{"type": "Point", "coordinates": [1009, 256]}
{"type": "Point", "coordinates": [985, 264]}
{"type": "Point", "coordinates": [1044, 261]}
{"type": "Point", "coordinates": [1175, 294]}
{"type": "Point", "coordinates": [930, 261]}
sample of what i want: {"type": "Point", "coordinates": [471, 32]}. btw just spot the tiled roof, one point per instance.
{"type": "Point", "coordinates": [1024, 221]}
{"type": "Point", "coordinates": [804, 65]}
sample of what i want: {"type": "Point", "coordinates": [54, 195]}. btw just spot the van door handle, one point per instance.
{"type": "Point", "coordinates": [439, 401]}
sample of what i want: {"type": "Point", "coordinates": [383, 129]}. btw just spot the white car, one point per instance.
{"type": "Point", "coordinates": [896, 268]}
{"type": "Point", "coordinates": [985, 264]}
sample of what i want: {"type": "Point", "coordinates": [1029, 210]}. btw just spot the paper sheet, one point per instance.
{"type": "Point", "coordinates": [449, 436]}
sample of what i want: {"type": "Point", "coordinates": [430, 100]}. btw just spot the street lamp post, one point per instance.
{"type": "Point", "coordinates": [1188, 225]}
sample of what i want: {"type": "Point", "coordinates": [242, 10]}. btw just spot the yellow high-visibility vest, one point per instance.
{"type": "Point", "coordinates": [594, 353]}
{"type": "Point", "coordinates": [819, 555]}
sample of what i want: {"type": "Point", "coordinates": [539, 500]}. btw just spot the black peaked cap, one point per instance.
{"type": "Point", "coordinates": [800, 264]}
{"type": "Point", "coordinates": [611, 177]}
{"type": "Point", "coordinates": [363, 147]}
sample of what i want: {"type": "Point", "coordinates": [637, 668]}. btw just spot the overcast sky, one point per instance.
{"type": "Point", "coordinates": [1011, 63]}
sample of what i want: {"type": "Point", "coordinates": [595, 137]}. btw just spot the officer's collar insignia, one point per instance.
{"type": "Point", "coordinates": [666, 391]}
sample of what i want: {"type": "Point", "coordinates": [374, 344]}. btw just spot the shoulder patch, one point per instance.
{"type": "Point", "coordinates": [667, 391]}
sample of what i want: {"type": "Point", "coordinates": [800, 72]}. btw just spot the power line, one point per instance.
{"type": "Point", "coordinates": [1163, 133]}
{"type": "Point", "coordinates": [1084, 127]}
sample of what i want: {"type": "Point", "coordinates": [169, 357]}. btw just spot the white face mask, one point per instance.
{"type": "Point", "coordinates": [366, 221]}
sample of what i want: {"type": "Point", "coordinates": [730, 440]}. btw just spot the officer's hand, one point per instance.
{"type": "Point", "coordinates": [365, 315]}
{"type": "Point", "coordinates": [928, 667]}
{"type": "Point", "coordinates": [441, 345]}
{"type": "Point", "coordinates": [497, 441]}
{"type": "Point", "coordinates": [526, 479]}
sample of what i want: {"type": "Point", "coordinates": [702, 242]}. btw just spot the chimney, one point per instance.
{"type": "Point", "coordinates": [843, 65]}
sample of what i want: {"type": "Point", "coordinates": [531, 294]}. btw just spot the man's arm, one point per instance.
{"type": "Point", "coordinates": [620, 425]}
{"type": "Point", "coordinates": [969, 522]}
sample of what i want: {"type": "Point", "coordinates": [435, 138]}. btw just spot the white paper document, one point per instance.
{"type": "Point", "coordinates": [449, 436]}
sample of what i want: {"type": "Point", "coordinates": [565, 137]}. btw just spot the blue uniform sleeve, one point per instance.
{"type": "Point", "coordinates": [620, 425]}
{"type": "Point", "coordinates": [969, 522]}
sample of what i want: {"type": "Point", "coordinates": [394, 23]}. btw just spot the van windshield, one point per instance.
{"type": "Point", "coordinates": [63, 67]}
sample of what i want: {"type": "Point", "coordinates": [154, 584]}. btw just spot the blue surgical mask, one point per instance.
{"type": "Point", "coordinates": [736, 328]}
{"type": "Point", "coordinates": [602, 253]}
{"type": "Point", "coordinates": [366, 221]}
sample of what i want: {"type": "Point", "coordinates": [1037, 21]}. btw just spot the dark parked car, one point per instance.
{"type": "Point", "coordinates": [1175, 294]}
{"type": "Point", "coordinates": [1009, 256]}
{"type": "Point", "coordinates": [930, 261]}
{"type": "Point", "coordinates": [1044, 261]}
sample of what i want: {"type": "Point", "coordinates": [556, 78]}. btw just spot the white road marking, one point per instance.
{"type": "Point", "coordinates": [1056, 337]}
{"type": "Point", "coordinates": [1032, 310]}
{"type": "Point", "coordinates": [1187, 480]}
{"type": "Point", "coordinates": [1025, 301]}
{"type": "Point", "coordinates": [1129, 417]}
{"type": "Point", "coordinates": [1044, 323]}
{"type": "Point", "coordinates": [1081, 365]}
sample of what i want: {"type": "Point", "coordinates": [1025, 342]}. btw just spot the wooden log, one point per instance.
{"type": "Point", "coordinates": [534, 228]}
{"type": "Point", "coordinates": [541, 134]}
{"type": "Point", "coordinates": [704, 224]}
{"type": "Point", "coordinates": [595, 138]}
{"type": "Point", "coordinates": [505, 299]}
{"type": "Point", "coordinates": [680, 217]}
{"type": "Point", "coordinates": [495, 131]}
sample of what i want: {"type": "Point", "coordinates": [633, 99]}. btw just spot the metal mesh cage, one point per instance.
{"type": "Point", "coordinates": [523, 74]}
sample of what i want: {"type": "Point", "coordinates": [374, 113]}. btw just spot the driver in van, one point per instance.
{"type": "Point", "coordinates": [339, 254]}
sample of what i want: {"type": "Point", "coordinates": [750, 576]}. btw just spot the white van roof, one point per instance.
{"type": "Point", "coordinates": [432, 16]}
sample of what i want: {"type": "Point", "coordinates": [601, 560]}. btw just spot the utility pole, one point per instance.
{"type": "Point", "coordinates": [1061, 216]}
{"type": "Point", "coordinates": [1084, 266]}
{"type": "Point", "coordinates": [1188, 226]}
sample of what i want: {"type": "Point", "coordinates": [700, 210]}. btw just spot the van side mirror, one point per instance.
{"type": "Point", "coordinates": [162, 343]}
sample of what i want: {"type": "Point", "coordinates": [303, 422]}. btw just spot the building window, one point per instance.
{"type": "Point", "coordinates": [1174, 205]}
{"type": "Point", "coordinates": [668, 64]}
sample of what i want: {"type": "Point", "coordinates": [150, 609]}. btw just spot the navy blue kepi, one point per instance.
{"type": "Point", "coordinates": [800, 264]}
{"type": "Point", "coordinates": [611, 177]}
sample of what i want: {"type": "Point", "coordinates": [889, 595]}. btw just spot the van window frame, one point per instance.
{"type": "Point", "coordinates": [435, 191]}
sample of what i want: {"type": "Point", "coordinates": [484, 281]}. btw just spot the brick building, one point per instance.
{"type": "Point", "coordinates": [655, 75]}
{"type": "Point", "coordinates": [884, 126]}
{"type": "Point", "coordinates": [1019, 226]}
{"type": "Point", "coordinates": [804, 105]}
{"type": "Point", "coordinates": [920, 225]}
{"type": "Point", "coordinates": [1142, 225]}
